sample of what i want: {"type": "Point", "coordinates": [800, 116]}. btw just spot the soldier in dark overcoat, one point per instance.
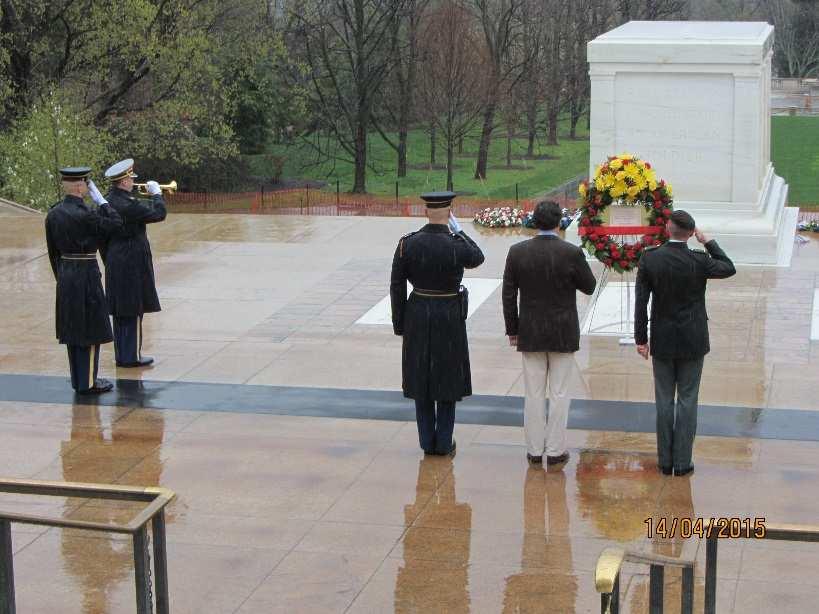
{"type": "Point", "coordinates": [674, 277]}
{"type": "Point", "coordinates": [129, 269]}
{"type": "Point", "coordinates": [432, 321]}
{"type": "Point", "coordinates": [74, 232]}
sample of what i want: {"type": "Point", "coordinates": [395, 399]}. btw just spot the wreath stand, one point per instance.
{"type": "Point", "coordinates": [622, 323]}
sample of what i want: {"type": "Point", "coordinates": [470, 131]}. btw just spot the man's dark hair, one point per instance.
{"type": "Point", "coordinates": [547, 215]}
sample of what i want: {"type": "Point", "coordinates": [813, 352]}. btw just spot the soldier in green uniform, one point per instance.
{"type": "Point", "coordinates": [435, 354]}
{"type": "Point", "coordinates": [674, 277]}
{"type": "Point", "coordinates": [74, 233]}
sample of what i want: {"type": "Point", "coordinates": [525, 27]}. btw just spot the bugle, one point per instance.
{"type": "Point", "coordinates": [170, 188]}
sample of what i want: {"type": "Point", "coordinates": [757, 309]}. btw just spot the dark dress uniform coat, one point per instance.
{"type": "Point", "coordinates": [129, 269]}
{"type": "Point", "coordinates": [547, 272]}
{"type": "Point", "coordinates": [435, 354]}
{"type": "Point", "coordinates": [675, 278]}
{"type": "Point", "coordinates": [72, 228]}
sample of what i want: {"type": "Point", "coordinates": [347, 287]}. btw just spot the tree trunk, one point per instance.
{"type": "Point", "coordinates": [360, 181]}
{"type": "Point", "coordinates": [486, 139]}
{"type": "Point", "coordinates": [510, 130]}
{"type": "Point", "coordinates": [432, 131]}
{"type": "Point", "coordinates": [449, 158]}
{"type": "Point", "coordinates": [402, 151]}
{"type": "Point", "coordinates": [531, 126]}
{"type": "Point", "coordinates": [552, 116]}
{"type": "Point", "coordinates": [460, 144]}
{"type": "Point", "coordinates": [575, 116]}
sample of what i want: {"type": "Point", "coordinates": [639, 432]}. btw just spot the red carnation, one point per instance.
{"type": "Point", "coordinates": [648, 165]}
{"type": "Point", "coordinates": [666, 212]}
{"type": "Point", "coordinates": [584, 221]}
{"type": "Point", "coordinates": [601, 245]}
{"type": "Point", "coordinates": [607, 261]}
{"type": "Point", "coordinates": [592, 211]}
{"type": "Point", "coordinates": [624, 263]}
{"type": "Point", "coordinates": [658, 205]}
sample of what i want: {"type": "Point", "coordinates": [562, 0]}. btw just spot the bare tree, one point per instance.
{"type": "Point", "coordinates": [555, 34]}
{"type": "Point", "coordinates": [399, 95]}
{"type": "Point", "coordinates": [347, 45]}
{"type": "Point", "coordinates": [498, 22]}
{"type": "Point", "coordinates": [653, 10]}
{"type": "Point", "coordinates": [453, 77]}
{"type": "Point", "coordinates": [797, 36]}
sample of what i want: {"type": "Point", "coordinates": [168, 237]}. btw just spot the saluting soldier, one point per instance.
{"type": "Point", "coordinates": [129, 268]}
{"type": "Point", "coordinates": [74, 232]}
{"type": "Point", "coordinates": [432, 321]}
{"type": "Point", "coordinates": [674, 277]}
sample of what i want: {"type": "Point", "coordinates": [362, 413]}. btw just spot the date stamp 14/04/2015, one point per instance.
{"type": "Point", "coordinates": [732, 527]}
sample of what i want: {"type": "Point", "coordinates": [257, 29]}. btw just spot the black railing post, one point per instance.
{"type": "Point", "coordinates": [396, 192]}
{"type": "Point", "coordinates": [163, 605]}
{"type": "Point", "coordinates": [516, 195]}
{"type": "Point", "coordinates": [338, 192]}
{"type": "Point", "coordinates": [307, 194]}
{"type": "Point", "coordinates": [711, 575]}
{"type": "Point", "coordinates": [655, 589]}
{"type": "Point", "coordinates": [144, 604]}
{"type": "Point", "coordinates": [261, 189]}
{"type": "Point", "coordinates": [6, 570]}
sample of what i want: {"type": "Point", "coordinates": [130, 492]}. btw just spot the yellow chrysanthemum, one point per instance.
{"type": "Point", "coordinates": [620, 176]}
{"type": "Point", "coordinates": [650, 175]}
{"type": "Point", "coordinates": [640, 164]}
{"type": "Point", "coordinates": [652, 185]}
{"type": "Point", "coordinates": [582, 189]}
{"type": "Point", "coordinates": [633, 191]}
{"type": "Point", "coordinates": [626, 156]}
{"type": "Point", "coordinates": [633, 173]}
{"type": "Point", "coordinates": [597, 169]}
{"type": "Point", "coordinates": [618, 189]}
{"type": "Point", "coordinates": [616, 164]}
{"type": "Point", "coordinates": [600, 183]}
{"type": "Point", "coordinates": [668, 189]}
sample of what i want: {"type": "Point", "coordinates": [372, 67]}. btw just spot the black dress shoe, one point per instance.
{"type": "Point", "coordinates": [556, 460]}
{"type": "Point", "coordinates": [665, 470]}
{"type": "Point", "coordinates": [100, 386]}
{"type": "Point", "coordinates": [534, 460]}
{"type": "Point", "coordinates": [686, 471]}
{"type": "Point", "coordinates": [142, 362]}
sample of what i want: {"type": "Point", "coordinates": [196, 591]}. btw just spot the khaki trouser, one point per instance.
{"type": "Point", "coordinates": [544, 371]}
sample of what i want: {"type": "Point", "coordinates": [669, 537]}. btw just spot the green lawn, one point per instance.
{"type": "Point", "coordinates": [795, 156]}
{"type": "Point", "coordinates": [794, 151]}
{"type": "Point", "coordinates": [569, 159]}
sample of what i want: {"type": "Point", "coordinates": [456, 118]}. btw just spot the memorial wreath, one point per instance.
{"type": "Point", "coordinates": [624, 180]}
{"type": "Point", "coordinates": [500, 217]}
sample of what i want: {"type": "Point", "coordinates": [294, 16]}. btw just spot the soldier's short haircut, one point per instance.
{"type": "Point", "coordinates": [547, 215]}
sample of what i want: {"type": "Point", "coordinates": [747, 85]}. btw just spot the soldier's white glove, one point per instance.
{"type": "Point", "coordinates": [153, 188]}
{"type": "Point", "coordinates": [95, 194]}
{"type": "Point", "coordinates": [454, 226]}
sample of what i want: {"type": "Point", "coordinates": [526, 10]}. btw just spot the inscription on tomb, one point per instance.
{"type": "Point", "coordinates": [669, 120]}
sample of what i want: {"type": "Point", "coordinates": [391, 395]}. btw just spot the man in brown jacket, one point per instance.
{"type": "Point", "coordinates": [547, 272]}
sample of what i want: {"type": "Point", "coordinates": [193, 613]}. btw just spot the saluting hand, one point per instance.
{"type": "Point", "coordinates": [701, 236]}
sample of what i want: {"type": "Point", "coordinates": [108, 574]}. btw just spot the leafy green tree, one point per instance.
{"type": "Point", "coordinates": [54, 134]}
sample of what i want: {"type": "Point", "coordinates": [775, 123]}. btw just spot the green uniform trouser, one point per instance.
{"type": "Point", "coordinates": [676, 389]}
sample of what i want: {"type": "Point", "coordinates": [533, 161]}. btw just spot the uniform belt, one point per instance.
{"type": "Point", "coordinates": [79, 256]}
{"type": "Point", "coordinates": [434, 293]}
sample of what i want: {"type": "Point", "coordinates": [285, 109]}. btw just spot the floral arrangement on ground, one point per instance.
{"type": "Point", "coordinates": [500, 217]}
{"type": "Point", "coordinates": [630, 181]}
{"type": "Point", "coordinates": [809, 226]}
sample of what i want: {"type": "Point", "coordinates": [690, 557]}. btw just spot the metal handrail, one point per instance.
{"type": "Point", "coordinates": [156, 498]}
{"type": "Point", "coordinates": [607, 579]}
{"type": "Point", "coordinates": [783, 532]}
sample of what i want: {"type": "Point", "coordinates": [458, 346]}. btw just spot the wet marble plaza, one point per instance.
{"type": "Point", "coordinates": [283, 507]}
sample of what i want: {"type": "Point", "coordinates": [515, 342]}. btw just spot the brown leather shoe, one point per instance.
{"type": "Point", "coordinates": [557, 460]}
